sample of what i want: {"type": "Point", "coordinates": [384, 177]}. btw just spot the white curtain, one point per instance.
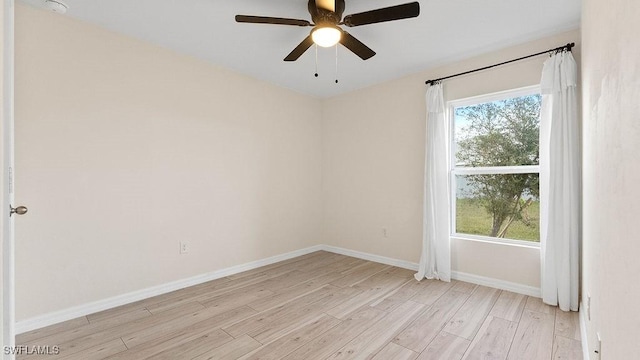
{"type": "Point", "coordinates": [560, 182]}
{"type": "Point", "coordinates": [435, 261]}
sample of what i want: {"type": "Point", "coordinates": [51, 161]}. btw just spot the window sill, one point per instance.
{"type": "Point", "coordinates": [490, 240]}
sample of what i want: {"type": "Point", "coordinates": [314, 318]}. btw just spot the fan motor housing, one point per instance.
{"type": "Point", "coordinates": [323, 16]}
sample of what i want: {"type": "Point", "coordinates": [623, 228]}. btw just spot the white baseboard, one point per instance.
{"type": "Point", "coordinates": [472, 278]}
{"type": "Point", "coordinates": [100, 305]}
{"type": "Point", "coordinates": [371, 257]}
{"type": "Point", "coordinates": [497, 283]}
{"type": "Point", "coordinates": [586, 354]}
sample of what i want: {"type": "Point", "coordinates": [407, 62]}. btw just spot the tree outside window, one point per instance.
{"type": "Point", "coordinates": [496, 167]}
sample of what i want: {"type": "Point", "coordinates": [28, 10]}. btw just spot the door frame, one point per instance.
{"type": "Point", "coordinates": [7, 194]}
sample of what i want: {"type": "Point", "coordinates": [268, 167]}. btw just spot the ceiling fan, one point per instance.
{"type": "Point", "coordinates": [327, 16]}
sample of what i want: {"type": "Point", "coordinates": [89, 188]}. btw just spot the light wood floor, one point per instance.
{"type": "Point", "coordinates": [321, 306]}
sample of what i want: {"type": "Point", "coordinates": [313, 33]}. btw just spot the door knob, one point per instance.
{"type": "Point", "coordinates": [20, 210]}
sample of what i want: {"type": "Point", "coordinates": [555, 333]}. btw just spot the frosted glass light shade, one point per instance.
{"type": "Point", "coordinates": [326, 36]}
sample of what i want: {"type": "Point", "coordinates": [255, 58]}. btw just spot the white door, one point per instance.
{"type": "Point", "coordinates": [6, 194]}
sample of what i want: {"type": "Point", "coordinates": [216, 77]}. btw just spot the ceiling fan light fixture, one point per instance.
{"type": "Point", "coordinates": [326, 36]}
{"type": "Point", "coordinates": [326, 17]}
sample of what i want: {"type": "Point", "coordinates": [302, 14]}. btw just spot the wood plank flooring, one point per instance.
{"type": "Point", "coordinates": [320, 306]}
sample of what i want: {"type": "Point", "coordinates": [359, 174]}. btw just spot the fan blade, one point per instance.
{"type": "Point", "coordinates": [270, 20]}
{"type": "Point", "coordinates": [356, 46]}
{"type": "Point", "coordinates": [391, 13]}
{"type": "Point", "coordinates": [300, 49]}
{"type": "Point", "coordinates": [326, 4]}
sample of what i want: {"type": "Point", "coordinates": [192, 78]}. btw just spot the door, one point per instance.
{"type": "Point", "coordinates": [6, 194]}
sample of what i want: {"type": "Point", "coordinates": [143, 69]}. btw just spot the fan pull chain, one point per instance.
{"type": "Point", "coordinates": [336, 63]}
{"type": "Point", "coordinates": [316, 46]}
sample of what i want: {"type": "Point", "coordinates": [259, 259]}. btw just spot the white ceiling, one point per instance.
{"type": "Point", "coordinates": [446, 30]}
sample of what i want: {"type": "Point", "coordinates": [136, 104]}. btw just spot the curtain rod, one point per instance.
{"type": "Point", "coordinates": [561, 48]}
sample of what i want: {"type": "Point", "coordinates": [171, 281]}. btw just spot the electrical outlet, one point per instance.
{"type": "Point", "coordinates": [184, 247]}
{"type": "Point", "coordinates": [385, 232]}
{"type": "Point", "coordinates": [598, 349]}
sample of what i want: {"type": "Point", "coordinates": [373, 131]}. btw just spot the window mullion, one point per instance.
{"type": "Point", "coordinates": [527, 169]}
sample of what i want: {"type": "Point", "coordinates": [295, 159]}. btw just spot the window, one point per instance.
{"type": "Point", "coordinates": [495, 167]}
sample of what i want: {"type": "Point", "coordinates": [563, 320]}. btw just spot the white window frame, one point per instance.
{"type": "Point", "coordinates": [453, 171]}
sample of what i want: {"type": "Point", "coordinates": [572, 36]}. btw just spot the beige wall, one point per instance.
{"type": "Point", "coordinates": [373, 163]}
{"type": "Point", "coordinates": [611, 107]}
{"type": "Point", "coordinates": [124, 149]}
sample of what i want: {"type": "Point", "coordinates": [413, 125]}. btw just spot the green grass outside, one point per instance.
{"type": "Point", "coordinates": [472, 218]}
